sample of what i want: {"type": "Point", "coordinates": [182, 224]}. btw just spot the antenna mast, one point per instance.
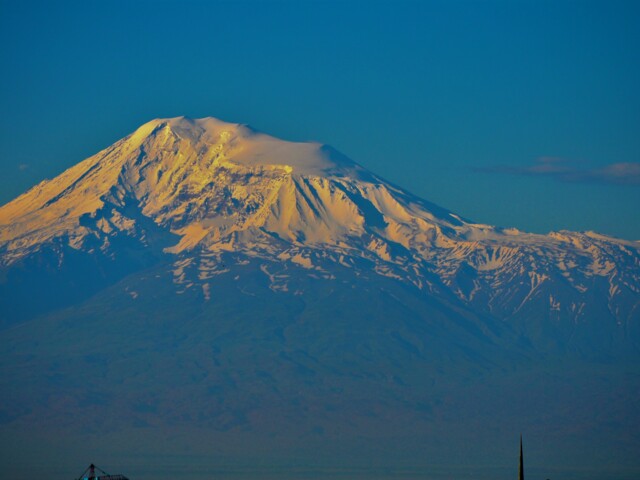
{"type": "Point", "coordinates": [521, 470]}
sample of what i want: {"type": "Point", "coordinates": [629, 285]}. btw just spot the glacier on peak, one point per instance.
{"type": "Point", "coordinates": [251, 148]}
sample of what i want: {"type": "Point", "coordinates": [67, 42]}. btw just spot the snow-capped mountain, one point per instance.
{"type": "Point", "coordinates": [202, 289]}
{"type": "Point", "coordinates": [207, 196]}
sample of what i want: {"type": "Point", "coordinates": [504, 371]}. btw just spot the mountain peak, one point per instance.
{"type": "Point", "coordinates": [243, 145]}
{"type": "Point", "coordinates": [192, 126]}
{"type": "Point", "coordinates": [194, 174]}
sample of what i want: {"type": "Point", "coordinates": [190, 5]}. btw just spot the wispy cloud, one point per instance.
{"type": "Point", "coordinates": [23, 166]}
{"type": "Point", "coordinates": [624, 173]}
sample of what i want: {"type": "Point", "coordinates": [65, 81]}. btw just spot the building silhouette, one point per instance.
{"type": "Point", "coordinates": [90, 474]}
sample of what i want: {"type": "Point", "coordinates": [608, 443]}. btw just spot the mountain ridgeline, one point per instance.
{"type": "Point", "coordinates": [202, 294]}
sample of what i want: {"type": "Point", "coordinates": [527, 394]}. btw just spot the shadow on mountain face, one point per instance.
{"type": "Point", "coordinates": [58, 275]}
{"type": "Point", "coordinates": [386, 380]}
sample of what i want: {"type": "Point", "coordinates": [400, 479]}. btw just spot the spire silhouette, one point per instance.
{"type": "Point", "coordinates": [521, 470]}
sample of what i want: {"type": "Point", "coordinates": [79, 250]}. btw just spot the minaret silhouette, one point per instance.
{"type": "Point", "coordinates": [521, 471]}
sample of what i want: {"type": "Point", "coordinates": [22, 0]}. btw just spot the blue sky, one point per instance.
{"type": "Point", "coordinates": [512, 113]}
